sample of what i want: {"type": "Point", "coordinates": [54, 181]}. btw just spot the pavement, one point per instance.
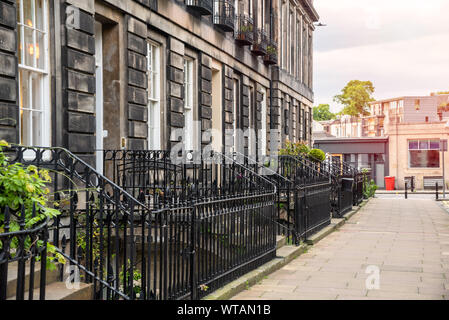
{"type": "Point", "coordinates": [392, 249]}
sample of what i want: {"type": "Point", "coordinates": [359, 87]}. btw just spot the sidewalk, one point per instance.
{"type": "Point", "coordinates": [416, 192]}
{"type": "Point", "coordinates": [407, 241]}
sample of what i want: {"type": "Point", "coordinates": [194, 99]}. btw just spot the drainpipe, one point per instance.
{"type": "Point", "coordinates": [271, 74]}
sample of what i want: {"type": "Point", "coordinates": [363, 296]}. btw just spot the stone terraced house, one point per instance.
{"type": "Point", "coordinates": [108, 74]}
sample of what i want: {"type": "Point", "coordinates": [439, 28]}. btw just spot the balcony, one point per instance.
{"type": "Point", "coordinates": [224, 15]}
{"type": "Point", "coordinates": [260, 43]}
{"type": "Point", "coordinates": [272, 53]}
{"type": "Point", "coordinates": [244, 35]}
{"type": "Point", "coordinates": [203, 7]}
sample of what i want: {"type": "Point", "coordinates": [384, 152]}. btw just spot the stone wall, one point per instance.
{"type": "Point", "coordinates": [205, 97]}
{"type": "Point", "coordinates": [137, 84]}
{"type": "Point", "coordinates": [9, 110]}
{"type": "Point", "coordinates": [175, 89]}
{"type": "Point", "coordinates": [78, 84]}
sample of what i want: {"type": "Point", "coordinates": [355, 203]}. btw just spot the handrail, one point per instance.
{"type": "Point", "coordinates": [262, 166]}
{"type": "Point", "coordinates": [74, 157]}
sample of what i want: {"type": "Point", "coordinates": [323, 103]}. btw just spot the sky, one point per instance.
{"type": "Point", "coordinates": [402, 46]}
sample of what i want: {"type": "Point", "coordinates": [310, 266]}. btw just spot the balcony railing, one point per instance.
{"type": "Point", "coordinates": [272, 53]}
{"type": "Point", "coordinates": [259, 47]}
{"type": "Point", "coordinates": [203, 7]}
{"type": "Point", "coordinates": [244, 33]}
{"type": "Point", "coordinates": [224, 15]}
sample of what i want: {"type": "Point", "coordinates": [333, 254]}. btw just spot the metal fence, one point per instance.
{"type": "Point", "coordinates": [175, 230]}
{"type": "Point", "coordinates": [345, 186]}
{"type": "Point", "coordinates": [19, 251]}
{"type": "Point", "coordinates": [299, 184]}
{"type": "Point", "coordinates": [312, 207]}
{"type": "Point", "coordinates": [226, 221]}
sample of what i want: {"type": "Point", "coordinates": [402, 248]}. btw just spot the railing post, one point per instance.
{"type": "Point", "coordinates": [193, 280]}
{"type": "Point", "coordinates": [436, 190]}
{"type": "Point", "coordinates": [406, 186]}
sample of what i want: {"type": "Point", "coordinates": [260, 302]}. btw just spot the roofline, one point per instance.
{"type": "Point", "coordinates": [360, 140]}
{"type": "Point", "coordinates": [405, 97]}
{"type": "Point", "coordinates": [311, 10]}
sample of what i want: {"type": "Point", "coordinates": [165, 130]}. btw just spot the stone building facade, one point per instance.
{"type": "Point", "coordinates": [145, 74]}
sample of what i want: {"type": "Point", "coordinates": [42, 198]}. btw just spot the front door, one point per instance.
{"type": "Point", "coordinates": [380, 175]}
{"type": "Point", "coordinates": [99, 95]}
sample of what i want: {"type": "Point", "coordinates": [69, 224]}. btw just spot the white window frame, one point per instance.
{"type": "Point", "coordinates": [236, 91]}
{"type": "Point", "coordinates": [263, 131]}
{"type": "Point", "coordinates": [423, 149]}
{"type": "Point", "coordinates": [190, 136]}
{"type": "Point", "coordinates": [35, 71]}
{"type": "Point", "coordinates": [154, 98]}
{"type": "Point", "coordinates": [251, 133]}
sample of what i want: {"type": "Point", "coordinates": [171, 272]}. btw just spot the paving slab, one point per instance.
{"type": "Point", "coordinates": [401, 243]}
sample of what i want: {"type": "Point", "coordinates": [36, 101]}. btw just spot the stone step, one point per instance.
{"type": "Point", "coordinates": [280, 241]}
{"type": "Point", "coordinates": [59, 291]}
{"type": "Point", "coordinates": [51, 277]}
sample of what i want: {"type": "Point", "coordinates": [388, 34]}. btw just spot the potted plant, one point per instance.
{"type": "Point", "coordinates": [245, 33]}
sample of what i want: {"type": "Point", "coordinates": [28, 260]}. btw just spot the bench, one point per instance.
{"type": "Point", "coordinates": [429, 182]}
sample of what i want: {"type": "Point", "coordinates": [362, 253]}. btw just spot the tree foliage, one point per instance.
{"type": "Point", "coordinates": [355, 97]}
{"type": "Point", "coordinates": [322, 113]}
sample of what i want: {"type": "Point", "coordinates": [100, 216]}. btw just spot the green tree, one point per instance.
{"type": "Point", "coordinates": [322, 113]}
{"type": "Point", "coordinates": [355, 97]}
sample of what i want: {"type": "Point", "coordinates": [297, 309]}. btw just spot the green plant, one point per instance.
{"type": "Point", "coordinates": [246, 28]}
{"type": "Point", "coordinates": [137, 276]}
{"type": "Point", "coordinates": [369, 186]}
{"type": "Point", "coordinates": [295, 148]}
{"type": "Point", "coordinates": [26, 186]}
{"type": "Point", "coordinates": [317, 155]}
{"type": "Point", "coordinates": [271, 50]}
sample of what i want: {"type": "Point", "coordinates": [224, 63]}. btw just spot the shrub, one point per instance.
{"type": "Point", "coordinates": [27, 187]}
{"type": "Point", "coordinates": [369, 186]}
{"type": "Point", "coordinates": [317, 155]}
{"type": "Point", "coordinates": [294, 148]}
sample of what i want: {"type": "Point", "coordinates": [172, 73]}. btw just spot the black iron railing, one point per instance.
{"type": "Point", "coordinates": [25, 248]}
{"type": "Point", "coordinates": [303, 193]}
{"type": "Point", "coordinates": [244, 32]}
{"type": "Point", "coordinates": [203, 7]}
{"type": "Point", "coordinates": [259, 47]}
{"type": "Point", "coordinates": [223, 210]}
{"type": "Point", "coordinates": [179, 228]}
{"type": "Point", "coordinates": [96, 224]}
{"type": "Point", "coordinates": [224, 15]}
{"type": "Point", "coordinates": [272, 53]}
{"type": "Point", "coordinates": [346, 185]}
{"type": "Point", "coordinates": [313, 193]}
{"type": "Point", "coordinates": [358, 190]}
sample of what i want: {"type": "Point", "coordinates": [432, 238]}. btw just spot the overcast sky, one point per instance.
{"type": "Point", "coordinates": [402, 46]}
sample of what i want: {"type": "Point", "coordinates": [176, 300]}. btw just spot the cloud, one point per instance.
{"type": "Point", "coordinates": [387, 42]}
{"type": "Point", "coordinates": [354, 22]}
